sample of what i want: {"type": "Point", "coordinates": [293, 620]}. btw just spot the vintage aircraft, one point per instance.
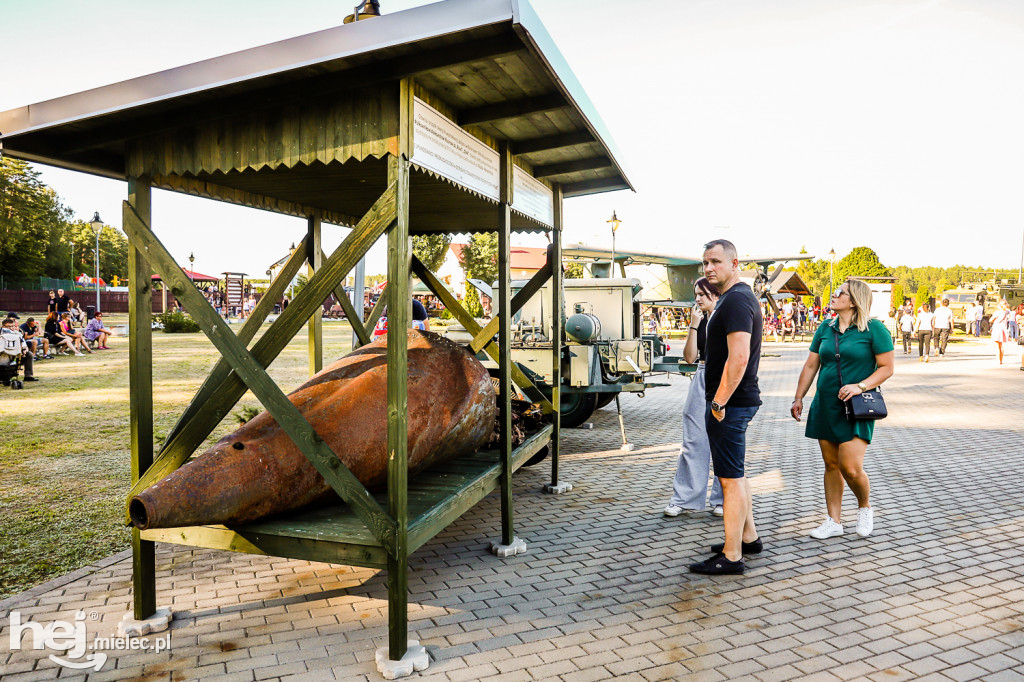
{"type": "Point", "coordinates": [675, 287]}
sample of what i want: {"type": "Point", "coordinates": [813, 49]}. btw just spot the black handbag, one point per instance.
{"type": "Point", "coordinates": [868, 405]}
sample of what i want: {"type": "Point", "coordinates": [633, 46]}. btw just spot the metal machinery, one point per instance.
{"type": "Point", "coordinates": [988, 293]}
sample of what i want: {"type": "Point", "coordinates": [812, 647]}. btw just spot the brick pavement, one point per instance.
{"type": "Point", "coordinates": [936, 593]}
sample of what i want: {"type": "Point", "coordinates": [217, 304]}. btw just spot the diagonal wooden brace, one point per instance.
{"type": "Point", "coordinates": [292, 319]}
{"type": "Point", "coordinates": [538, 280]}
{"type": "Point", "coordinates": [249, 328]}
{"type": "Point", "coordinates": [259, 382]}
{"type": "Point", "coordinates": [473, 327]}
{"type": "Point", "coordinates": [355, 319]}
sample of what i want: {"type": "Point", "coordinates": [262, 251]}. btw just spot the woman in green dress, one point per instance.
{"type": "Point", "coordinates": [866, 351]}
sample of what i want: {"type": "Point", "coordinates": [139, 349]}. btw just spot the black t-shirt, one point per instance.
{"type": "Point", "coordinates": [702, 338]}
{"type": "Point", "coordinates": [25, 329]}
{"type": "Point", "coordinates": [51, 305]}
{"type": "Point", "coordinates": [737, 311]}
{"type": "Point", "coordinates": [62, 303]}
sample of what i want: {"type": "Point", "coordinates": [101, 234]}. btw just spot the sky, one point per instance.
{"type": "Point", "coordinates": [823, 124]}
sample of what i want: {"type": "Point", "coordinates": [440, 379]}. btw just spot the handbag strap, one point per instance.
{"type": "Point", "coordinates": [839, 366]}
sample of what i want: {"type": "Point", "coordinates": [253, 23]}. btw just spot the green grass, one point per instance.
{"type": "Point", "coordinates": [65, 463]}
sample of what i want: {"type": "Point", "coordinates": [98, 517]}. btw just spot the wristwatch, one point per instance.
{"type": "Point", "coordinates": [862, 386]}
{"type": "Point", "coordinates": [716, 407]}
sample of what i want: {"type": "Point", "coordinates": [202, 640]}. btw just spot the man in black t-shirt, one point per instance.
{"type": "Point", "coordinates": [733, 352]}
{"type": "Point", "coordinates": [63, 300]}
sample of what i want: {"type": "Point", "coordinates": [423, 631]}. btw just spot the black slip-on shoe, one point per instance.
{"type": "Point", "coordinates": [718, 565]}
{"type": "Point", "coordinates": [31, 379]}
{"type": "Point", "coordinates": [755, 547]}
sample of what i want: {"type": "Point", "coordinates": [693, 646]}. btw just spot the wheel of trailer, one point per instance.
{"type": "Point", "coordinates": [576, 408]}
{"type": "Point", "coordinates": [605, 399]}
{"type": "Point", "coordinates": [16, 384]}
{"type": "Point", "coordinates": [541, 455]}
{"type": "Point", "coordinates": [985, 327]}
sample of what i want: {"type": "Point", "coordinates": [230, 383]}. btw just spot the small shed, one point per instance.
{"type": "Point", "coordinates": [455, 117]}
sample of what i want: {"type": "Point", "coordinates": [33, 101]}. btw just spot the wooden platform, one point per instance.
{"type": "Point", "coordinates": [335, 534]}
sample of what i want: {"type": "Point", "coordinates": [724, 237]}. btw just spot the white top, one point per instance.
{"type": "Point", "coordinates": [907, 323]}
{"type": "Point", "coordinates": [924, 321]}
{"type": "Point", "coordinates": [943, 317]}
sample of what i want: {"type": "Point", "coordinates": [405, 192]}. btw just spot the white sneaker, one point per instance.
{"type": "Point", "coordinates": [719, 510]}
{"type": "Point", "coordinates": [673, 510]}
{"type": "Point", "coordinates": [865, 521]}
{"type": "Point", "coordinates": [829, 529]}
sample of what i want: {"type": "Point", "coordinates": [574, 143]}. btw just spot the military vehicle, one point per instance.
{"type": "Point", "coordinates": [988, 293]}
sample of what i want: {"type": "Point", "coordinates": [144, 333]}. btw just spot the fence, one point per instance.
{"type": "Point", "coordinates": [33, 301]}
{"type": "Point", "coordinates": [48, 283]}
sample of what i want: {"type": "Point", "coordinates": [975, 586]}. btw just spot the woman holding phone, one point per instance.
{"type": "Point", "coordinates": [691, 482]}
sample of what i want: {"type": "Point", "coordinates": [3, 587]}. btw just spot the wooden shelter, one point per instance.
{"type": "Point", "coordinates": [459, 116]}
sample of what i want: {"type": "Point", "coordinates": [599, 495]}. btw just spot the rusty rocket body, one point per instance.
{"type": "Point", "coordinates": [257, 471]}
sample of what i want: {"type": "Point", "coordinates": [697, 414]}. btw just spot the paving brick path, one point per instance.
{"type": "Point", "coordinates": [936, 593]}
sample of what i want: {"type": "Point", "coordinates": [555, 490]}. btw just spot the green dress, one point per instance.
{"type": "Point", "coordinates": [826, 419]}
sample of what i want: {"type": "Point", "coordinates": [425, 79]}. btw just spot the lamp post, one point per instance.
{"type": "Point", "coordinates": [831, 272]}
{"type": "Point", "coordinates": [615, 226]}
{"type": "Point", "coordinates": [191, 260]}
{"type": "Point", "coordinates": [97, 227]}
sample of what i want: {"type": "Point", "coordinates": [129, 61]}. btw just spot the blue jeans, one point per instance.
{"type": "Point", "coordinates": [728, 439]}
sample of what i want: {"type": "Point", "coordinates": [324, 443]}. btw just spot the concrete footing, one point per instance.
{"type": "Point", "coordinates": [557, 489]}
{"type": "Point", "coordinates": [518, 546]}
{"type": "Point", "coordinates": [158, 622]}
{"type": "Point", "coordinates": [415, 659]}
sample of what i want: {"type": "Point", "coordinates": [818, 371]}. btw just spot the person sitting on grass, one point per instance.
{"type": "Point", "coordinates": [95, 331]}
{"type": "Point", "coordinates": [68, 331]}
{"type": "Point", "coordinates": [34, 338]}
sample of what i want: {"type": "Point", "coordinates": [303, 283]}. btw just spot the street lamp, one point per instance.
{"type": "Point", "coordinates": [97, 227]}
{"type": "Point", "coordinates": [831, 272]}
{"type": "Point", "coordinates": [191, 260]}
{"type": "Point", "coordinates": [615, 226]}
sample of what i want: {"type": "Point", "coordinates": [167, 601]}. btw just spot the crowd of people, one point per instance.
{"type": "Point", "coordinates": [64, 331]}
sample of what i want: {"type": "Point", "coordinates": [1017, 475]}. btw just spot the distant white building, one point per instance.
{"type": "Point", "coordinates": [526, 261]}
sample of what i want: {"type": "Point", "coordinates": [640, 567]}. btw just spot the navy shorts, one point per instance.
{"type": "Point", "coordinates": [728, 439]}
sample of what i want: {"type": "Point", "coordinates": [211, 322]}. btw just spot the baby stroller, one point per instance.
{"type": "Point", "coordinates": [10, 358]}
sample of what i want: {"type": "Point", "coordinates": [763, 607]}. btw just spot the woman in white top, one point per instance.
{"type": "Point", "coordinates": [923, 327]}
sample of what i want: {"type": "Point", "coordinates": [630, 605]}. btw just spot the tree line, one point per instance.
{"type": "Point", "coordinates": [39, 236]}
{"type": "Point", "coordinates": [918, 283]}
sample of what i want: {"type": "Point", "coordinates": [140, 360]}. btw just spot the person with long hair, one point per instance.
{"type": "Point", "coordinates": [866, 353]}
{"type": "Point", "coordinates": [690, 486]}
{"type": "Point", "coordinates": [51, 331]}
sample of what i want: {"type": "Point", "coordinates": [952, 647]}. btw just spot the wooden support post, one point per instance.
{"type": "Point", "coordinates": [315, 328]}
{"type": "Point", "coordinates": [557, 313]}
{"type": "Point", "coordinates": [140, 389]}
{"type": "Point", "coordinates": [399, 321]}
{"type": "Point", "coordinates": [505, 338]}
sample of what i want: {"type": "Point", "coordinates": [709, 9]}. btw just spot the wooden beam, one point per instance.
{"type": "Point", "coordinates": [473, 327]}
{"type": "Point", "coordinates": [221, 372]}
{"type": "Point", "coordinates": [576, 166]}
{"type": "Point", "coordinates": [399, 320]}
{"type": "Point", "coordinates": [550, 142]}
{"type": "Point", "coordinates": [512, 108]}
{"type": "Point", "coordinates": [140, 387]}
{"type": "Point", "coordinates": [291, 320]}
{"type": "Point", "coordinates": [575, 189]}
{"type": "Point", "coordinates": [505, 338]}
{"type": "Point", "coordinates": [315, 328]}
{"type": "Point", "coordinates": [259, 382]}
{"type": "Point", "coordinates": [557, 313]}
{"type": "Point", "coordinates": [377, 310]}
{"type": "Point", "coordinates": [355, 319]}
{"type": "Point", "coordinates": [535, 284]}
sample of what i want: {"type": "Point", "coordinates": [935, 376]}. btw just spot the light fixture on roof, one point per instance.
{"type": "Point", "coordinates": [367, 9]}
